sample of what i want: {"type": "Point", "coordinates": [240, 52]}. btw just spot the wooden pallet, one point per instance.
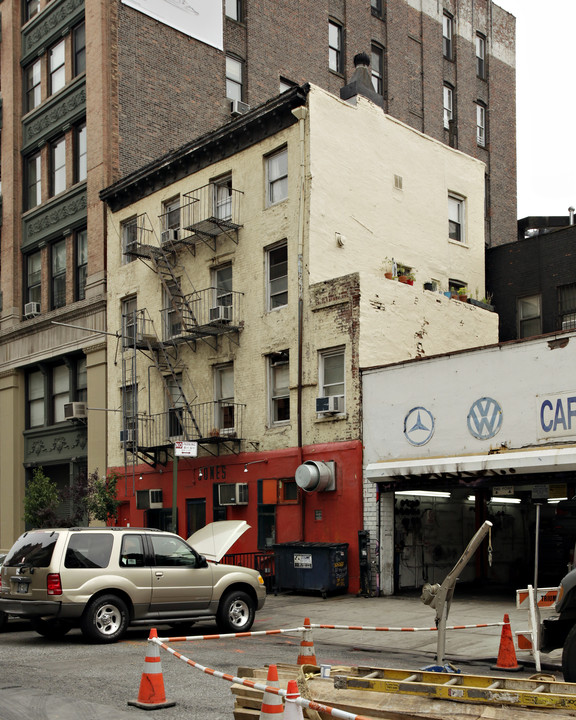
{"type": "Point", "coordinates": [388, 705]}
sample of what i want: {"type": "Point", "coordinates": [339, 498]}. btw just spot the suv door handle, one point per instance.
{"type": "Point", "coordinates": [159, 573]}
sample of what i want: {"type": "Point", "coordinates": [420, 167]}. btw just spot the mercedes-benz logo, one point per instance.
{"type": "Point", "coordinates": [418, 426]}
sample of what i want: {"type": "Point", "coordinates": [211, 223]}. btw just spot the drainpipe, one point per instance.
{"type": "Point", "coordinates": [300, 113]}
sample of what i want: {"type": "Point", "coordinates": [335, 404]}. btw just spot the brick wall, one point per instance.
{"type": "Point", "coordinates": [172, 87]}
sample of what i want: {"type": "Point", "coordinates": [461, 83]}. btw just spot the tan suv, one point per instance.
{"type": "Point", "coordinates": [105, 579]}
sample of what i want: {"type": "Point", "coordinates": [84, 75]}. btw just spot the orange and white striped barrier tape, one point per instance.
{"type": "Point", "coordinates": [319, 707]}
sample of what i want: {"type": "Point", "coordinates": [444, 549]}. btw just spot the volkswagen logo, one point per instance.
{"type": "Point", "coordinates": [485, 418]}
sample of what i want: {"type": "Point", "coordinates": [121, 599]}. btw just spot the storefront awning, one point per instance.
{"type": "Point", "coordinates": [511, 462]}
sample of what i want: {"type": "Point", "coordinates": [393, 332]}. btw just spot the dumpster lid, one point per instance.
{"type": "Point", "coordinates": [215, 539]}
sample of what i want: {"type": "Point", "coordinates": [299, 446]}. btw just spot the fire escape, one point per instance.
{"type": "Point", "coordinates": [210, 214]}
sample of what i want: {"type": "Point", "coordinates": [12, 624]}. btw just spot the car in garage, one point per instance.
{"type": "Point", "coordinates": [104, 580]}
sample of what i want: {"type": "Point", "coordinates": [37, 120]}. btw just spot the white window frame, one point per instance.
{"type": "Point", "coordinates": [457, 217]}
{"type": "Point", "coordinates": [448, 104]}
{"type": "Point", "coordinates": [377, 68]}
{"type": "Point", "coordinates": [224, 397]}
{"type": "Point", "coordinates": [222, 285]}
{"type": "Point", "coordinates": [524, 317]}
{"type": "Point", "coordinates": [329, 388]}
{"type": "Point", "coordinates": [223, 197]}
{"type": "Point", "coordinates": [335, 46]}
{"type": "Point", "coordinates": [278, 366]}
{"type": "Point", "coordinates": [276, 177]}
{"type": "Point", "coordinates": [57, 67]}
{"type": "Point", "coordinates": [481, 125]}
{"type": "Point", "coordinates": [448, 36]}
{"type": "Point", "coordinates": [129, 235]}
{"type": "Point", "coordinates": [233, 10]}
{"type": "Point", "coordinates": [277, 285]}
{"type": "Point", "coordinates": [480, 56]}
{"type": "Point", "coordinates": [234, 78]}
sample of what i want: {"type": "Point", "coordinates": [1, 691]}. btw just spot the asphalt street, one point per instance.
{"type": "Point", "coordinates": [69, 679]}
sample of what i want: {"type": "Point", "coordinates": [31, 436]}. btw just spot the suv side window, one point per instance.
{"type": "Point", "coordinates": [172, 552]}
{"type": "Point", "coordinates": [131, 554]}
{"type": "Point", "coordinates": [33, 549]}
{"type": "Point", "coordinates": [88, 550]}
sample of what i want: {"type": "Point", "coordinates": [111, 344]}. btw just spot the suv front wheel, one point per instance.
{"type": "Point", "coordinates": [236, 612]}
{"type": "Point", "coordinates": [105, 619]}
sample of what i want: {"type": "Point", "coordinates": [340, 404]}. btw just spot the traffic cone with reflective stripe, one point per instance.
{"type": "Point", "coordinates": [506, 653]}
{"type": "Point", "coordinates": [272, 706]}
{"type": "Point", "coordinates": [307, 654]}
{"type": "Point", "coordinates": [152, 695]}
{"type": "Point", "coordinates": [292, 711]}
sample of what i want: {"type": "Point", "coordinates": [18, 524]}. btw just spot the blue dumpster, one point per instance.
{"type": "Point", "coordinates": [311, 566]}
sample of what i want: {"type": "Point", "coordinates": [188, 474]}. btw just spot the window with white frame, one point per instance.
{"type": "Point", "coordinates": [175, 405]}
{"type": "Point", "coordinates": [80, 153]}
{"type": "Point", "coordinates": [223, 198]}
{"type": "Point", "coordinates": [129, 234]}
{"type": "Point", "coordinates": [480, 125]}
{"type": "Point", "coordinates": [34, 277]}
{"type": "Point", "coordinates": [33, 180]}
{"type": "Point", "coordinates": [456, 218]}
{"type": "Point", "coordinates": [222, 285]}
{"type": "Point", "coordinates": [58, 274]}
{"type": "Point", "coordinates": [331, 371]}
{"type": "Point", "coordinates": [447, 36]}
{"type": "Point", "coordinates": [57, 67]}
{"type": "Point", "coordinates": [233, 78]}
{"type": "Point", "coordinates": [480, 56]}
{"type": "Point", "coordinates": [448, 105]}
{"type": "Point", "coordinates": [58, 166]}
{"type": "Point", "coordinates": [277, 275]}
{"type": "Point", "coordinates": [60, 391]}
{"type": "Point", "coordinates": [279, 387]}
{"type": "Point", "coordinates": [377, 68]}
{"type": "Point", "coordinates": [170, 220]}
{"type": "Point", "coordinates": [35, 392]}
{"type": "Point", "coordinates": [224, 396]}
{"type": "Point", "coordinates": [33, 88]}
{"type": "Point", "coordinates": [234, 9]}
{"type": "Point", "coordinates": [529, 316]}
{"type": "Point", "coordinates": [129, 308]}
{"type": "Point", "coordinates": [335, 46]}
{"type": "Point", "coordinates": [81, 264]}
{"type": "Point", "coordinates": [277, 177]}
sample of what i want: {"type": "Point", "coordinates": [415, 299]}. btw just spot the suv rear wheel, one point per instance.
{"type": "Point", "coordinates": [105, 619]}
{"type": "Point", "coordinates": [236, 612]}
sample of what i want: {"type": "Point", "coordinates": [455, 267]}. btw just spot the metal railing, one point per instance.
{"type": "Point", "coordinates": [263, 562]}
{"type": "Point", "coordinates": [212, 209]}
{"type": "Point", "coordinates": [209, 422]}
{"type": "Point", "coordinates": [209, 311]}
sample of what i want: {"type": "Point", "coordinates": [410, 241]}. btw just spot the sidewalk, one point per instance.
{"type": "Point", "coordinates": [407, 611]}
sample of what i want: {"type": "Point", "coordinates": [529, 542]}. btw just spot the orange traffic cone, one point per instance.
{"type": "Point", "coordinates": [151, 695]}
{"type": "Point", "coordinates": [272, 706]}
{"type": "Point", "coordinates": [506, 653]}
{"type": "Point", "coordinates": [307, 654]}
{"type": "Point", "coordinates": [292, 710]}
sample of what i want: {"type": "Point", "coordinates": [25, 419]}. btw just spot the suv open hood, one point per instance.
{"type": "Point", "coordinates": [214, 540]}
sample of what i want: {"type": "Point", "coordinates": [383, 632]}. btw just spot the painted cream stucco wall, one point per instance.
{"type": "Point", "coordinates": [355, 153]}
{"type": "Point", "coordinates": [344, 289]}
{"type": "Point", "coordinates": [400, 321]}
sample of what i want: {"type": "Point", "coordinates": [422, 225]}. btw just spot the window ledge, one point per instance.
{"type": "Point", "coordinates": [459, 244]}
{"type": "Point", "coordinates": [331, 418]}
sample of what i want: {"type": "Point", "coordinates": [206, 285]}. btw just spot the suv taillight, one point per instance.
{"type": "Point", "coordinates": [53, 584]}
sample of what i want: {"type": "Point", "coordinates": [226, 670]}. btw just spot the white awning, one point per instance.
{"type": "Point", "coordinates": [511, 462]}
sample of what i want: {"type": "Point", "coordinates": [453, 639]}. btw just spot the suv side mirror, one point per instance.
{"type": "Point", "coordinates": [202, 561]}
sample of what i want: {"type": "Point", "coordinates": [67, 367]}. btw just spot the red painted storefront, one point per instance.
{"type": "Point", "coordinates": [327, 517]}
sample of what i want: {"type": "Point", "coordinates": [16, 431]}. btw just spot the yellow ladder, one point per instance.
{"type": "Point", "coordinates": [538, 692]}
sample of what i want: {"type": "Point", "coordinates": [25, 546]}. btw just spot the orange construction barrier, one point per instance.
{"type": "Point", "coordinates": [506, 653]}
{"type": "Point", "coordinates": [152, 695]}
{"type": "Point", "coordinates": [272, 705]}
{"type": "Point", "coordinates": [307, 654]}
{"type": "Point", "coordinates": [292, 710]}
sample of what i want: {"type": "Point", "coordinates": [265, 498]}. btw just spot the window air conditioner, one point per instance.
{"type": "Point", "coordinates": [75, 411]}
{"type": "Point", "coordinates": [127, 436]}
{"type": "Point", "coordinates": [170, 235]}
{"type": "Point", "coordinates": [149, 499]}
{"type": "Point", "coordinates": [330, 404]}
{"type": "Point", "coordinates": [237, 107]}
{"type": "Point", "coordinates": [221, 314]}
{"type": "Point", "coordinates": [233, 494]}
{"type": "Point", "coordinates": [31, 309]}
